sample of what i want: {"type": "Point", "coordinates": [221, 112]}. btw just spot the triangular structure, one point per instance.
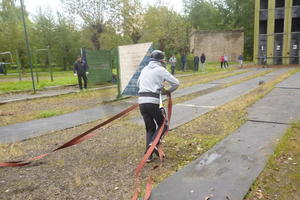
{"type": "Point", "coordinates": [132, 59]}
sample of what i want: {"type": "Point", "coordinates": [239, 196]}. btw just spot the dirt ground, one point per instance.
{"type": "Point", "coordinates": [103, 167]}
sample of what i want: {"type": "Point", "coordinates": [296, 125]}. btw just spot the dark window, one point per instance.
{"type": "Point", "coordinates": [296, 24]}
{"type": "Point", "coordinates": [263, 27]}
{"type": "Point", "coordinates": [263, 4]}
{"type": "Point", "coordinates": [279, 3]}
{"type": "Point", "coordinates": [296, 3]}
{"type": "Point", "coordinates": [279, 27]}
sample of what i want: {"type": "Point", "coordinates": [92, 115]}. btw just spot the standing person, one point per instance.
{"type": "Point", "coordinates": [172, 61]}
{"type": "Point", "coordinates": [222, 61]}
{"type": "Point", "coordinates": [202, 60]}
{"type": "Point", "coordinates": [241, 60]}
{"type": "Point", "coordinates": [183, 62]}
{"type": "Point", "coordinates": [226, 65]}
{"type": "Point", "coordinates": [81, 70]}
{"type": "Point", "coordinates": [264, 60]}
{"type": "Point", "coordinates": [151, 84]}
{"type": "Point", "coordinates": [196, 63]}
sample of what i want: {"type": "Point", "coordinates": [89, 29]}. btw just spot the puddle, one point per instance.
{"type": "Point", "coordinates": [207, 159]}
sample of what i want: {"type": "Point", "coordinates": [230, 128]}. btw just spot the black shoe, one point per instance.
{"type": "Point", "coordinates": [150, 159]}
{"type": "Point", "coordinates": [156, 151]}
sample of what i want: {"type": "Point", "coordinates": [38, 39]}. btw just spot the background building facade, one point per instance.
{"type": "Point", "coordinates": [214, 44]}
{"type": "Point", "coordinates": [277, 31]}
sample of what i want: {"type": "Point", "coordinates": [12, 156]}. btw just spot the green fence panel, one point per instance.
{"type": "Point", "coordinates": [100, 69]}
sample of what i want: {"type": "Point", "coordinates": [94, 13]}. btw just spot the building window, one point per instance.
{"type": "Point", "coordinates": [279, 3]}
{"type": "Point", "coordinates": [263, 27]}
{"type": "Point", "coordinates": [296, 24]}
{"type": "Point", "coordinates": [263, 4]}
{"type": "Point", "coordinates": [296, 3]}
{"type": "Point", "coordinates": [279, 26]}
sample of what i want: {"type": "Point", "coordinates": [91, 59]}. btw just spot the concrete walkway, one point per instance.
{"type": "Point", "coordinates": [25, 130]}
{"type": "Point", "coordinates": [228, 170]}
{"type": "Point", "coordinates": [23, 96]}
{"type": "Point", "coordinates": [189, 110]}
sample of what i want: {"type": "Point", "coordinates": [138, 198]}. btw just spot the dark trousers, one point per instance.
{"type": "Point", "coordinates": [80, 77]}
{"type": "Point", "coordinates": [183, 66]}
{"type": "Point", "coordinates": [226, 65]}
{"type": "Point", "coordinates": [222, 63]}
{"type": "Point", "coordinates": [196, 66]}
{"type": "Point", "coordinates": [173, 69]}
{"type": "Point", "coordinates": [153, 119]}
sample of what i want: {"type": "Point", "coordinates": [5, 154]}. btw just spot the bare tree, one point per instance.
{"type": "Point", "coordinates": [94, 13]}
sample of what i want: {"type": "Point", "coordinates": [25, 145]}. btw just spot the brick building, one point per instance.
{"type": "Point", "coordinates": [277, 31]}
{"type": "Point", "coordinates": [217, 43]}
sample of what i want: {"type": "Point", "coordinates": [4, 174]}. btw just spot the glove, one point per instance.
{"type": "Point", "coordinates": [86, 73]}
{"type": "Point", "coordinates": [75, 74]}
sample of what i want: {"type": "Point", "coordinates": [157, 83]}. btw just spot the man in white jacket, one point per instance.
{"type": "Point", "coordinates": [151, 84]}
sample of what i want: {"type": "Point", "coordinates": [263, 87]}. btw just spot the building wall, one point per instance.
{"type": "Point", "coordinates": [280, 43]}
{"type": "Point", "coordinates": [217, 43]}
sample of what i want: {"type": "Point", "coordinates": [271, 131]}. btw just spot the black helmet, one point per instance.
{"type": "Point", "coordinates": [157, 55]}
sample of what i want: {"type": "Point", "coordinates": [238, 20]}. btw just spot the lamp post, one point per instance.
{"type": "Point", "coordinates": [27, 45]}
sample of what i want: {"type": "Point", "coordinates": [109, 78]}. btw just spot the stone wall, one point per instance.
{"type": "Point", "coordinates": [217, 43]}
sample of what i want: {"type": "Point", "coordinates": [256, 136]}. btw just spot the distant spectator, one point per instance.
{"type": "Point", "coordinates": [81, 70]}
{"type": "Point", "coordinates": [196, 63]}
{"type": "Point", "coordinates": [222, 61]}
{"type": "Point", "coordinates": [183, 62]}
{"type": "Point", "coordinates": [226, 65]}
{"type": "Point", "coordinates": [202, 60]}
{"type": "Point", "coordinates": [264, 60]}
{"type": "Point", "coordinates": [172, 61]}
{"type": "Point", "coordinates": [241, 60]}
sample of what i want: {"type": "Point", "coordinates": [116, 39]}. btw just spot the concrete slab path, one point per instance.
{"type": "Point", "coordinates": [228, 170]}
{"type": "Point", "coordinates": [14, 97]}
{"type": "Point", "coordinates": [189, 110]}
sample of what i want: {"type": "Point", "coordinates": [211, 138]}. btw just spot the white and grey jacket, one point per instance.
{"type": "Point", "coordinates": [152, 80]}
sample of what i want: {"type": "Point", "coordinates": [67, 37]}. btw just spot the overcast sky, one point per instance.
{"type": "Point", "coordinates": [32, 6]}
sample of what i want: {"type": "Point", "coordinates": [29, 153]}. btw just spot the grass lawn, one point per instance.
{"type": "Point", "coordinates": [280, 179]}
{"type": "Point", "coordinates": [11, 83]}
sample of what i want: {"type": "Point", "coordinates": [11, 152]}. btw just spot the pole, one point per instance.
{"type": "Point", "coordinates": [50, 66]}
{"type": "Point", "coordinates": [118, 74]}
{"type": "Point", "coordinates": [19, 65]}
{"type": "Point", "coordinates": [27, 45]}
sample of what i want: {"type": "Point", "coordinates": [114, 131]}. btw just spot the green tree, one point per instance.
{"type": "Point", "coordinates": [167, 29]}
{"type": "Point", "coordinates": [67, 42]}
{"type": "Point", "coordinates": [240, 14]}
{"type": "Point", "coordinates": [131, 19]}
{"type": "Point", "coordinates": [95, 14]}
{"type": "Point", "coordinates": [11, 30]}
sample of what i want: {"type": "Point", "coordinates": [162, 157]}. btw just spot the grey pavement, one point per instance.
{"type": "Point", "coordinates": [204, 86]}
{"type": "Point", "coordinates": [25, 130]}
{"type": "Point", "coordinates": [228, 170]}
{"type": "Point", "coordinates": [189, 110]}
{"type": "Point", "coordinates": [22, 96]}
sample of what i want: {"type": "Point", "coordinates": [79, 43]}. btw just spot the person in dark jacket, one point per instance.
{"type": "Point", "coordinates": [202, 60]}
{"type": "Point", "coordinates": [196, 63]}
{"type": "Point", "coordinates": [81, 71]}
{"type": "Point", "coordinates": [183, 62]}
